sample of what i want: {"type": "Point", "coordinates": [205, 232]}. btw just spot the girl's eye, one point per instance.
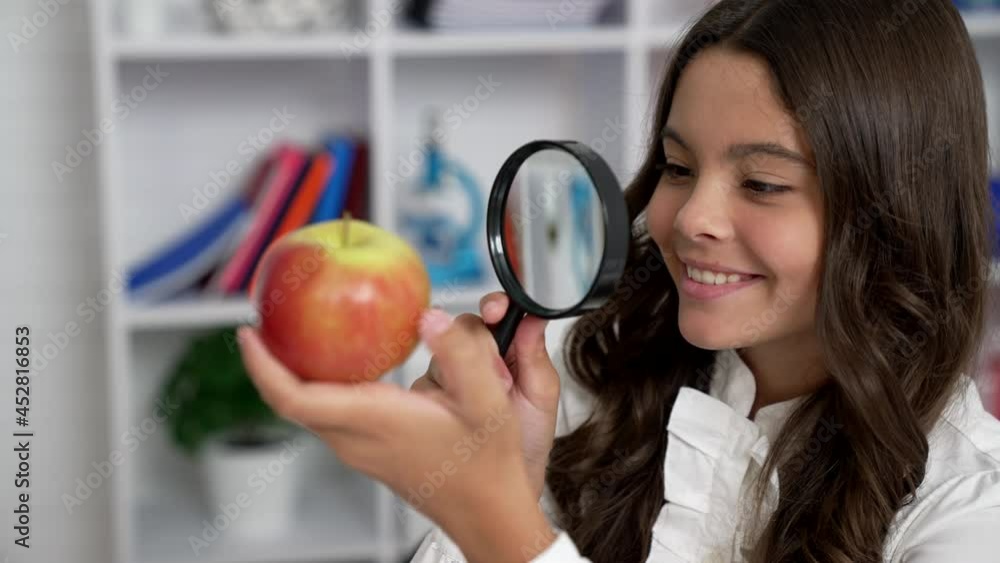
{"type": "Point", "coordinates": [672, 171]}
{"type": "Point", "coordinates": [762, 188]}
{"type": "Point", "coordinates": [754, 187]}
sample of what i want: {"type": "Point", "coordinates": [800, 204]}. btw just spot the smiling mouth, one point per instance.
{"type": "Point", "coordinates": [711, 277]}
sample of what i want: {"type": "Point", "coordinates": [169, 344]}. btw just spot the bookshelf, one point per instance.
{"type": "Point", "coordinates": [560, 83]}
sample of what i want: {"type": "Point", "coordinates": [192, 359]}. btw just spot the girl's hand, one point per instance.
{"type": "Point", "coordinates": [458, 447]}
{"type": "Point", "coordinates": [529, 378]}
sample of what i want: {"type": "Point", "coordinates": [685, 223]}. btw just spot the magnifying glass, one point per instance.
{"type": "Point", "coordinates": [558, 231]}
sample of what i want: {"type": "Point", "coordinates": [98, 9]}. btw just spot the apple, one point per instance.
{"type": "Point", "coordinates": [340, 300]}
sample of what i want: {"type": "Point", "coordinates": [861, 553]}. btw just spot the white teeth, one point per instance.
{"type": "Point", "coordinates": [712, 278]}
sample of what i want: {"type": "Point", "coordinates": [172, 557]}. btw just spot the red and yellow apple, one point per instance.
{"type": "Point", "coordinates": [340, 300]}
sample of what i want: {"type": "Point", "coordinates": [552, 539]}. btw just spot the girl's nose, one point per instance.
{"type": "Point", "coordinates": [705, 214]}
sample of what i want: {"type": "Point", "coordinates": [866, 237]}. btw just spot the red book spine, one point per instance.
{"type": "Point", "coordinates": [357, 194]}
{"type": "Point", "coordinates": [284, 171]}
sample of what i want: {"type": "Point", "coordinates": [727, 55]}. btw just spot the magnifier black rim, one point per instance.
{"type": "Point", "coordinates": [616, 227]}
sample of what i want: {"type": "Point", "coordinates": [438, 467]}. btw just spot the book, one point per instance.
{"type": "Point", "coordinates": [183, 262]}
{"type": "Point", "coordinates": [357, 193]}
{"type": "Point", "coordinates": [331, 204]}
{"type": "Point", "coordinates": [322, 168]}
{"type": "Point", "coordinates": [190, 261]}
{"type": "Point", "coordinates": [285, 206]}
{"type": "Point", "coordinates": [307, 196]}
{"type": "Point", "coordinates": [284, 167]}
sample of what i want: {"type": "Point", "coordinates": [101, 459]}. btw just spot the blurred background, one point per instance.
{"type": "Point", "coordinates": [148, 141]}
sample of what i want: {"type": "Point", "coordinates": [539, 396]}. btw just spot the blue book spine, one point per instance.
{"type": "Point", "coordinates": [187, 250]}
{"type": "Point", "coordinates": [331, 204]}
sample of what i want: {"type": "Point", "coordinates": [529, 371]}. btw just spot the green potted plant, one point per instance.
{"type": "Point", "coordinates": [223, 423]}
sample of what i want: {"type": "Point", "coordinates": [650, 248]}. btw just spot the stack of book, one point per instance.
{"type": "Point", "coordinates": [292, 187]}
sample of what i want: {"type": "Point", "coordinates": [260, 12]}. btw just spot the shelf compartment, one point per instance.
{"type": "Point", "coordinates": [336, 521]}
{"type": "Point", "coordinates": [491, 105]}
{"type": "Point", "coordinates": [195, 141]}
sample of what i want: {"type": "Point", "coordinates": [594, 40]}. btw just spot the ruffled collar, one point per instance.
{"type": "Point", "coordinates": [735, 385]}
{"type": "Point", "coordinates": [714, 451]}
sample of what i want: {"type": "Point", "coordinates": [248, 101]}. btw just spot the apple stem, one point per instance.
{"type": "Point", "coordinates": [347, 227]}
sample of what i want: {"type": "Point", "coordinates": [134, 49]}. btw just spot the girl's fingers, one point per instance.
{"type": "Point", "coordinates": [505, 376]}
{"type": "Point", "coordinates": [493, 306]}
{"type": "Point", "coordinates": [529, 340]}
{"type": "Point", "coordinates": [433, 373]}
{"type": "Point", "coordinates": [325, 405]}
{"type": "Point", "coordinates": [276, 385]}
{"type": "Point", "coordinates": [467, 371]}
{"type": "Point", "coordinates": [424, 383]}
{"type": "Point", "coordinates": [430, 379]}
{"type": "Point", "coordinates": [536, 374]}
{"type": "Point", "coordinates": [488, 307]}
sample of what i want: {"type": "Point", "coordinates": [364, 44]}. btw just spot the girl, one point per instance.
{"type": "Point", "coordinates": [788, 383]}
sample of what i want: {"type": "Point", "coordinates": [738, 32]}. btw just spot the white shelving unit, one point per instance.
{"type": "Point", "coordinates": [218, 91]}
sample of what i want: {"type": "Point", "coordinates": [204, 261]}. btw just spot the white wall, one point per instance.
{"type": "Point", "coordinates": [50, 265]}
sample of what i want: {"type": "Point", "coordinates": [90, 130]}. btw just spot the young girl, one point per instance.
{"type": "Point", "coordinates": [781, 377]}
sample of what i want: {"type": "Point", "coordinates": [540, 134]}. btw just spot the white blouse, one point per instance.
{"type": "Point", "coordinates": [714, 451]}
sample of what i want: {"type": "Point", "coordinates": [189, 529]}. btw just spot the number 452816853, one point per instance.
{"type": "Point", "coordinates": [22, 389]}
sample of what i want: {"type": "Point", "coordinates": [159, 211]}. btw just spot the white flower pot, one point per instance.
{"type": "Point", "coordinates": [252, 491]}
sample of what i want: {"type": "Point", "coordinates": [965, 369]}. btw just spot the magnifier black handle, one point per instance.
{"type": "Point", "coordinates": [504, 330]}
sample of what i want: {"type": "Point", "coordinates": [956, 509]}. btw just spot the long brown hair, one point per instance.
{"type": "Point", "coordinates": [901, 151]}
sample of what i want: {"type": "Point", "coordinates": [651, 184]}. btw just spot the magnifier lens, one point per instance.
{"type": "Point", "coordinates": [558, 231]}
{"type": "Point", "coordinates": [554, 229]}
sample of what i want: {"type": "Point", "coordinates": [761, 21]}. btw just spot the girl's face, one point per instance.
{"type": "Point", "coordinates": [737, 212]}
